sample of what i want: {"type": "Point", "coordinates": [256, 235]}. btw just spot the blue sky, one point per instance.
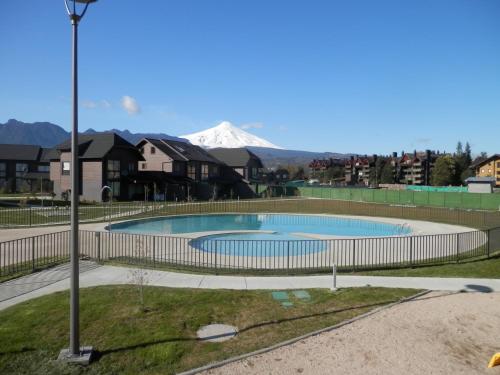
{"type": "Point", "coordinates": [346, 76]}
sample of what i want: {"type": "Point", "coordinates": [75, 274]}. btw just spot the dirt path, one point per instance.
{"type": "Point", "coordinates": [437, 334]}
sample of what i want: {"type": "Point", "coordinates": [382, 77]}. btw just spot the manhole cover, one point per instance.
{"type": "Point", "coordinates": [216, 332]}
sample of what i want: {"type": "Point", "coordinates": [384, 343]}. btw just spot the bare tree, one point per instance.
{"type": "Point", "coordinates": [139, 276]}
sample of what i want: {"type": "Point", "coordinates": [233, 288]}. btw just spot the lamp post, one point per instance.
{"type": "Point", "coordinates": [75, 353]}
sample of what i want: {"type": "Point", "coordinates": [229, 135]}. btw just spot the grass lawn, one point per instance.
{"type": "Point", "coordinates": [162, 340]}
{"type": "Point", "coordinates": [481, 268]}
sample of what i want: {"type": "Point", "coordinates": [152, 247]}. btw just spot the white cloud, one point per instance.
{"type": "Point", "coordinates": [130, 105]}
{"type": "Point", "coordinates": [282, 128]}
{"type": "Point", "coordinates": [89, 104]}
{"type": "Point", "coordinates": [253, 125]}
{"type": "Point", "coordinates": [105, 104]}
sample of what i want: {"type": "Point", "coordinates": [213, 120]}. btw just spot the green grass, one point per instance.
{"type": "Point", "coordinates": [162, 339]}
{"type": "Point", "coordinates": [479, 268]}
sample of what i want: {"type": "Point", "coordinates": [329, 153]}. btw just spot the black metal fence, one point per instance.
{"type": "Point", "coordinates": [233, 256]}
{"type": "Point", "coordinates": [33, 253]}
{"type": "Point", "coordinates": [37, 216]}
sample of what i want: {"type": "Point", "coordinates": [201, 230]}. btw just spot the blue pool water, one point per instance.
{"type": "Point", "coordinates": [283, 224]}
{"type": "Point", "coordinates": [282, 241]}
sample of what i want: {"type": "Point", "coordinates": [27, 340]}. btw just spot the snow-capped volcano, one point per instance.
{"type": "Point", "coordinates": [227, 135]}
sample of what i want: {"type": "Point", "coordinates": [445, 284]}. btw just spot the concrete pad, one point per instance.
{"type": "Point", "coordinates": [224, 282]}
{"type": "Point", "coordinates": [217, 332]}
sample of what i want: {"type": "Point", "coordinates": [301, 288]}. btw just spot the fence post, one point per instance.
{"type": "Point", "coordinates": [288, 255]}
{"type": "Point", "coordinates": [216, 256]}
{"type": "Point", "coordinates": [411, 251]}
{"type": "Point", "coordinates": [458, 247]}
{"type": "Point", "coordinates": [33, 253]}
{"type": "Point", "coordinates": [30, 215]}
{"type": "Point", "coordinates": [98, 237]}
{"type": "Point", "coordinates": [154, 251]}
{"type": "Point", "coordinates": [488, 243]}
{"type": "Point", "coordinates": [353, 255]}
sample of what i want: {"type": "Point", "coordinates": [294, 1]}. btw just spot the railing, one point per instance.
{"type": "Point", "coordinates": [33, 253]}
{"type": "Point", "coordinates": [36, 216]}
{"type": "Point", "coordinates": [288, 255]}
{"type": "Point", "coordinates": [272, 256]}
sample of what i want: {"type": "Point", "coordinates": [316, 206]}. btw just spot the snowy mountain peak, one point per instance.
{"type": "Point", "coordinates": [227, 135]}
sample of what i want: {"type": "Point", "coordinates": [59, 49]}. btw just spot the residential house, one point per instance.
{"type": "Point", "coordinates": [243, 161]}
{"type": "Point", "coordinates": [24, 168]}
{"type": "Point", "coordinates": [488, 167]}
{"type": "Point", "coordinates": [106, 159]}
{"type": "Point", "coordinates": [179, 170]}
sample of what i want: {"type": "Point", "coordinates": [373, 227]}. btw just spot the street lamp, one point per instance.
{"type": "Point", "coordinates": [75, 353]}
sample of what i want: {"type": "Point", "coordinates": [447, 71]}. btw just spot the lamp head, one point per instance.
{"type": "Point", "coordinates": [73, 10]}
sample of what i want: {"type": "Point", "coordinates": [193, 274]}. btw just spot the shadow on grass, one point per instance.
{"type": "Point", "coordinates": [100, 354]}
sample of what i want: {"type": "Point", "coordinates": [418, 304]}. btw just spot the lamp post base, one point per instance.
{"type": "Point", "coordinates": [83, 358]}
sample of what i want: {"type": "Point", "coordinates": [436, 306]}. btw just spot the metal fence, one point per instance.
{"type": "Point", "coordinates": [36, 216]}
{"type": "Point", "coordinates": [33, 253]}
{"type": "Point", "coordinates": [271, 256]}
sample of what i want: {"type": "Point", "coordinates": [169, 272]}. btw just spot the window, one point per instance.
{"type": "Point", "coordinates": [177, 167]}
{"type": "Point", "coordinates": [43, 168]}
{"type": "Point", "coordinates": [21, 170]}
{"type": "Point", "coordinates": [131, 167]}
{"type": "Point", "coordinates": [498, 164]}
{"type": "Point", "coordinates": [66, 167]}
{"type": "Point", "coordinates": [113, 169]}
{"type": "Point", "coordinates": [115, 188]}
{"type": "Point", "coordinates": [204, 172]}
{"type": "Point", "coordinates": [191, 171]}
{"type": "Point", "coordinates": [215, 170]}
{"type": "Point", "coordinates": [144, 165]}
{"type": "Point", "coordinates": [153, 150]}
{"type": "Point", "coordinates": [3, 174]}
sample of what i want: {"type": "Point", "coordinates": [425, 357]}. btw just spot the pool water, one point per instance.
{"type": "Point", "coordinates": [283, 224]}
{"type": "Point", "coordinates": [283, 239]}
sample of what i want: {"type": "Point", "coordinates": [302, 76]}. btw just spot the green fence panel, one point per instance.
{"type": "Point", "coordinates": [471, 200]}
{"type": "Point", "coordinates": [436, 199]}
{"type": "Point", "coordinates": [453, 200]}
{"type": "Point", "coordinates": [392, 196]}
{"type": "Point", "coordinates": [357, 195]}
{"type": "Point", "coordinates": [367, 195]}
{"type": "Point", "coordinates": [406, 197]}
{"type": "Point", "coordinates": [490, 201]}
{"type": "Point", "coordinates": [380, 196]}
{"type": "Point", "coordinates": [421, 198]}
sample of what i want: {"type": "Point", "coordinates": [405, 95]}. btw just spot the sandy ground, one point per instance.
{"type": "Point", "coordinates": [440, 333]}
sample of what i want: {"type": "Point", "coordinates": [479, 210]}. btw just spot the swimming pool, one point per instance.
{"type": "Point", "coordinates": [277, 234]}
{"type": "Point", "coordinates": [282, 224]}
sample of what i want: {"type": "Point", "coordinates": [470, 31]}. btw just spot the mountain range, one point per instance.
{"type": "Point", "coordinates": [47, 134]}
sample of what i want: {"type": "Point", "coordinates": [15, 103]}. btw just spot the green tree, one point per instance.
{"type": "Point", "coordinates": [387, 174]}
{"type": "Point", "coordinates": [443, 173]}
{"type": "Point", "coordinates": [334, 172]}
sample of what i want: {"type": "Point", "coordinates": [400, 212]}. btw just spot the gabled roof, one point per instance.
{"type": "Point", "coordinates": [480, 161]}
{"type": "Point", "coordinates": [96, 145]}
{"type": "Point", "coordinates": [181, 151]}
{"type": "Point", "coordinates": [235, 157]}
{"type": "Point", "coordinates": [21, 152]}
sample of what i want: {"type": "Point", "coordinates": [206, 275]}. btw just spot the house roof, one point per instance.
{"type": "Point", "coordinates": [181, 151]}
{"type": "Point", "coordinates": [96, 145]}
{"type": "Point", "coordinates": [235, 157]}
{"type": "Point", "coordinates": [21, 152]}
{"type": "Point", "coordinates": [480, 161]}
{"type": "Point", "coordinates": [481, 180]}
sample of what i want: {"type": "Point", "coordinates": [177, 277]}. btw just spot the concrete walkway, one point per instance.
{"type": "Point", "coordinates": [57, 279]}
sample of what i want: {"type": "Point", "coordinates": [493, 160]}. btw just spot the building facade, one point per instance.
{"type": "Point", "coordinates": [489, 167]}
{"type": "Point", "coordinates": [106, 159]}
{"type": "Point", "coordinates": [24, 168]}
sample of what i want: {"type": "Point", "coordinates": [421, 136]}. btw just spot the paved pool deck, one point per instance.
{"type": "Point", "coordinates": [57, 279]}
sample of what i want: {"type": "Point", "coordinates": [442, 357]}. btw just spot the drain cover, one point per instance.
{"type": "Point", "coordinates": [216, 332]}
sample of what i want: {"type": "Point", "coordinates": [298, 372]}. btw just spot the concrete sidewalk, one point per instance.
{"type": "Point", "coordinates": [57, 279]}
